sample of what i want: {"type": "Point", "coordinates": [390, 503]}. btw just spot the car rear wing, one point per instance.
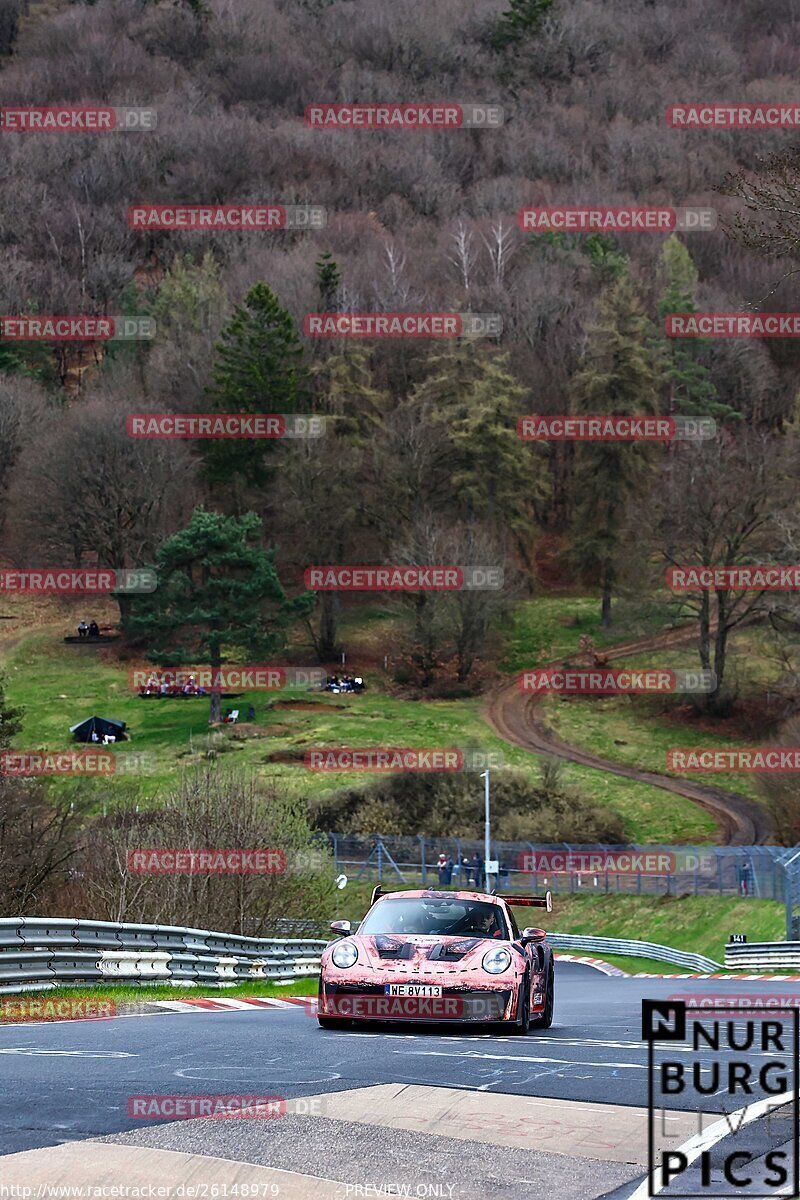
{"type": "Point", "coordinates": [545, 901]}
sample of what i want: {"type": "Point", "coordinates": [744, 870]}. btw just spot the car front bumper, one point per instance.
{"type": "Point", "coordinates": [369, 1002]}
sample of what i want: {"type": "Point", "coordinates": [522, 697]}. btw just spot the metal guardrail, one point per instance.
{"type": "Point", "coordinates": [769, 955]}
{"type": "Point", "coordinates": [634, 949]}
{"type": "Point", "coordinates": [39, 953]}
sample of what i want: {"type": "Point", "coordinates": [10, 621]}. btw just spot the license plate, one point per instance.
{"type": "Point", "coordinates": [412, 989]}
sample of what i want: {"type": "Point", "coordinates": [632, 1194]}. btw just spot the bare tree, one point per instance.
{"type": "Point", "coordinates": [98, 492]}
{"type": "Point", "coordinates": [718, 510]}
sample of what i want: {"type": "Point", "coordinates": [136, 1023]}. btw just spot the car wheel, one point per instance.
{"type": "Point", "coordinates": [333, 1022]}
{"type": "Point", "coordinates": [523, 1025]}
{"type": "Point", "coordinates": [546, 1019]}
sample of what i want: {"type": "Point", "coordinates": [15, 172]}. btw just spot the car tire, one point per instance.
{"type": "Point", "coordinates": [333, 1022]}
{"type": "Point", "coordinates": [546, 1019]}
{"type": "Point", "coordinates": [522, 1027]}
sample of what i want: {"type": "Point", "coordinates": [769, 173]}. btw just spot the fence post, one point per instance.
{"type": "Point", "coordinates": [422, 856]}
{"type": "Point", "coordinates": [380, 862]}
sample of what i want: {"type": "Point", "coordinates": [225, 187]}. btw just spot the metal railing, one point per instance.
{"type": "Point", "coordinates": [633, 949]}
{"type": "Point", "coordinates": [772, 956]}
{"type": "Point", "coordinates": [39, 953]}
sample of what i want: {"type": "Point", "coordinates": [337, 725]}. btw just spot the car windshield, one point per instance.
{"type": "Point", "coordinates": [429, 915]}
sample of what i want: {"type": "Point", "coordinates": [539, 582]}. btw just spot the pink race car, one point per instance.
{"type": "Point", "coordinates": [436, 956]}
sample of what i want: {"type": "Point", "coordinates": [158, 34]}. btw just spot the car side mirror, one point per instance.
{"type": "Point", "coordinates": [342, 927]}
{"type": "Point", "coordinates": [532, 935]}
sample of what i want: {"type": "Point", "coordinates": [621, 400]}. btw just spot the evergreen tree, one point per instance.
{"type": "Point", "coordinates": [471, 398]}
{"type": "Point", "coordinates": [687, 384]}
{"type": "Point", "coordinates": [618, 377]}
{"type": "Point", "coordinates": [328, 281]}
{"type": "Point", "coordinates": [218, 590]}
{"type": "Point", "coordinates": [521, 19]}
{"type": "Point", "coordinates": [258, 370]}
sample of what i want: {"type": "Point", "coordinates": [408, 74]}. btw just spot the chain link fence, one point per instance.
{"type": "Point", "coordinates": [758, 872]}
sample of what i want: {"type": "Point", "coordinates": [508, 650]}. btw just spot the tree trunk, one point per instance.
{"type": "Point", "coordinates": [215, 714]}
{"type": "Point", "coordinates": [329, 609]}
{"type": "Point", "coordinates": [605, 608]}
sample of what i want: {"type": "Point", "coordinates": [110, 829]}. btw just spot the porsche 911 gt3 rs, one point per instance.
{"type": "Point", "coordinates": [439, 956]}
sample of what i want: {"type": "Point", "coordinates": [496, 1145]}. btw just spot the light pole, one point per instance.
{"type": "Point", "coordinates": [487, 833]}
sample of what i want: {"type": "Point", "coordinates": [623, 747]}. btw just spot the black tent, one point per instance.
{"type": "Point", "coordinates": [82, 732]}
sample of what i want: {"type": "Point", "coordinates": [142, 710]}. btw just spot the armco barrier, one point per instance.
{"type": "Point", "coordinates": [633, 949]}
{"type": "Point", "coordinates": [771, 956]}
{"type": "Point", "coordinates": [38, 953]}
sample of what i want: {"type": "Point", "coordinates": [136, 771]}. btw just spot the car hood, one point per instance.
{"type": "Point", "coordinates": [412, 949]}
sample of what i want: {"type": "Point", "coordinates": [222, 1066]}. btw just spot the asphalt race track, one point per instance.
{"type": "Point", "coordinates": [561, 1112]}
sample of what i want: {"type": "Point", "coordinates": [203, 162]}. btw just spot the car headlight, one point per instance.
{"type": "Point", "coordinates": [496, 961]}
{"type": "Point", "coordinates": [344, 954]}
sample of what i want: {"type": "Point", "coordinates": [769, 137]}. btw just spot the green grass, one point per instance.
{"type": "Point", "coordinates": [60, 685]}
{"type": "Point", "coordinates": [131, 996]}
{"type": "Point", "coordinates": [550, 627]}
{"type": "Point", "coordinates": [640, 730]}
{"type": "Point", "coordinates": [700, 924]}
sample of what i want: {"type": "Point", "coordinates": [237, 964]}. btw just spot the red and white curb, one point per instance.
{"type": "Point", "coordinates": [229, 1003]}
{"type": "Point", "coordinates": [598, 963]}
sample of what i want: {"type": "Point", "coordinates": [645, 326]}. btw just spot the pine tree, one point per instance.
{"type": "Point", "coordinates": [218, 590]}
{"type": "Point", "coordinates": [258, 370]}
{"type": "Point", "coordinates": [329, 280]}
{"type": "Point", "coordinates": [473, 400]}
{"type": "Point", "coordinates": [687, 384]}
{"type": "Point", "coordinates": [618, 377]}
{"type": "Point", "coordinates": [522, 19]}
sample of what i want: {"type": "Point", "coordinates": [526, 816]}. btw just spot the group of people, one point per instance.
{"type": "Point", "coordinates": [468, 871]}
{"type": "Point", "coordinates": [343, 683]}
{"type": "Point", "coordinates": [90, 630]}
{"type": "Point", "coordinates": [166, 687]}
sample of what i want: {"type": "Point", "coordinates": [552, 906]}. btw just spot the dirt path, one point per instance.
{"type": "Point", "coordinates": [515, 717]}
